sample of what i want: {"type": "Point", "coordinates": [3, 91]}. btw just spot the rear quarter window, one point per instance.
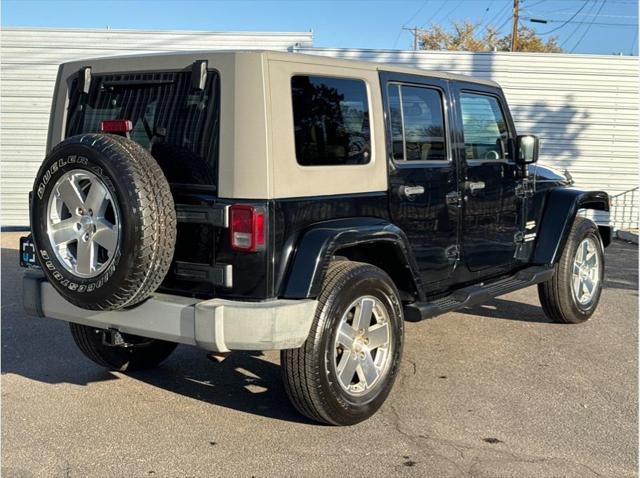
{"type": "Point", "coordinates": [331, 121]}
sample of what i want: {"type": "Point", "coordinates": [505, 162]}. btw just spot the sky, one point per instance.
{"type": "Point", "coordinates": [582, 26]}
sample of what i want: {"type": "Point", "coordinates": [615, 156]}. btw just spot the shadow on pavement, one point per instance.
{"type": "Point", "coordinates": [508, 309]}
{"type": "Point", "coordinates": [622, 266]}
{"type": "Point", "coordinates": [43, 350]}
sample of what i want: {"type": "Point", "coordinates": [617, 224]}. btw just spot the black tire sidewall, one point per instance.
{"type": "Point", "coordinates": [77, 156]}
{"type": "Point", "coordinates": [373, 282]}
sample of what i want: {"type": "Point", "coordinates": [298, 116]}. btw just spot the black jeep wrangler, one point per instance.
{"type": "Point", "coordinates": [274, 201]}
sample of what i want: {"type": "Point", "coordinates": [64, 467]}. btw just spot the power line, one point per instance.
{"type": "Point", "coordinates": [446, 17]}
{"type": "Point", "coordinates": [415, 14]}
{"type": "Point", "coordinates": [433, 15]}
{"type": "Point", "coordinates": [484, 15]}
{"type": "Point", "coordinates": [589, 22]}
{"type": "Point", "coordinates": [499, 14]}
{"type": "Point", "coordinates": [593, 5]}
{"type": "Point", "coordinates": [589, 26]}
{"type": "Point", "coordinates": [567, 22]}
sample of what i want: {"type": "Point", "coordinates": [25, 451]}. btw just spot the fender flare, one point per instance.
{"type": "Point", "coordinates": [319, 244]}
{"type": "Point", "coordinates": [561, 208]}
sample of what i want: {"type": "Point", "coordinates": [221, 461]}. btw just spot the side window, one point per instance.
{"type": "Point", "coordinates": [484, 127]}
{"type": "Point", "coordinates": [331, 121]}
{"type": "Point", "coordinates": [416, 117]}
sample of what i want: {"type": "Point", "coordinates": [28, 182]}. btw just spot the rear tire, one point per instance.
{"type": "Point", "coordinates": [346, 368]}
{"type": "Point", "coordinates": [572, 295]}
{"type": "Point", "coordinates": [143, 354]}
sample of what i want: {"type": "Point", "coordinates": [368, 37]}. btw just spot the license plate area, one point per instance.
{"type": "Point", "coordinates": [27, 252]}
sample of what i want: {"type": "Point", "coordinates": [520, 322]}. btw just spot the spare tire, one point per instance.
{"type": "Point", "coordinates": [103, 221]}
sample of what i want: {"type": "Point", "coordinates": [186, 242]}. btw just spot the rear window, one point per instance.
{"type": "Point", "coordinates": [178, 123]}
{"type": "Point", "coordinates": [331, 121]}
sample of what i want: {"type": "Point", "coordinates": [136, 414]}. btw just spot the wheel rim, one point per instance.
{"type": "Point", "coordinates": [362, 347]}
{"type": "Point", "coordinates": [83, 224]}
{"type": "Point", "coordinates": [586, 271]}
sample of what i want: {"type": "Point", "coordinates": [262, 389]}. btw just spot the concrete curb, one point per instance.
{"type": "Point", "coordinates": [631, 237]}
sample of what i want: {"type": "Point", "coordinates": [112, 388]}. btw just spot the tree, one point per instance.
{"type": "Point", "coordinates": [463, 36]}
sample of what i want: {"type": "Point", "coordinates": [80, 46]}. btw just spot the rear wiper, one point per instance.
{"type": "Point", "coordinates": [138, 83]}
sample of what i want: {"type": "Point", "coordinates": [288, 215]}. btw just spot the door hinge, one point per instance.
{"type": "Point", "coordinates": [524, 189]}
{"type": "Point", "coordinates": [524, 242]}
{"type": "Point", "coordinates": [522, 237]}
{"type": "Point", "coordinates": [453, 253]}
{"type": "Point", "coordinates": [454, 198]}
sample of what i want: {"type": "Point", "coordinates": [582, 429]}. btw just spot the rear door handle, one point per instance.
{"type": "Point", "coordinates": [410, 191]}
{"type": "Point", "coordinates": [474, 186]}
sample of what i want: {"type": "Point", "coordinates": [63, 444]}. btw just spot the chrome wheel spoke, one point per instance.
{"type": "Point", "coordinates": [592, 260]}
{"type": "Point", "coordinates": [71, 195]}
{"type": "Point", "coordinates": [588, 284]}
{"type": "Point", "coordinates": [576, 270]}
{"type": "Point", "coordinates": [97, 199]}
{"type": "Point", "coordinates": [367, 371]}
{"type": "Point", "coordinates": [346, 335]}
{"type": "Point", "coordinates": [577, 286]}
{"type": "Point", "coordinates": [363, 313]}
{"type": "Point", "coordinates": [63, 232]}
{"type": "Point", "coordinates": [106, 235]}
{"type": "Point", "coordinates": [377, 336]}
{"type": "Point", "coordinates": [347, 368]}
{"type": "Point", "coordinates": [584, 251]}
{"type": "Point", "coordinates": [85, 259]}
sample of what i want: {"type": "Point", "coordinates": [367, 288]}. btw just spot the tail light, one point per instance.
{"type": "Point", "coordinates": [116, 126]}
{"type": "Point", "coordinates": [246, 228]}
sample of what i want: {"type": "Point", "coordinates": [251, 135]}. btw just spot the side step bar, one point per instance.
{"type": "Point", "coordinates": [477, 294]}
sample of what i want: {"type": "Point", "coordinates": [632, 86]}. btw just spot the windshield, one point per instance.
{"type": "Point", "coordinates": [179, 124]}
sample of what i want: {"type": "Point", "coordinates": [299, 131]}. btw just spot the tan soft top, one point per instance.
{"type": "Point", "coordinates": [257, 145]}
{"type": "Point", "coordinates": [304, 58]}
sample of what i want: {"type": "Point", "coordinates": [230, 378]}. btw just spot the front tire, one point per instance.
{"type": "Point", "coordinates": [346, 368]}
{"type": "Point", "coordinates": [142, 353]}
{"type": "Point", "coordinates": [572, 295]}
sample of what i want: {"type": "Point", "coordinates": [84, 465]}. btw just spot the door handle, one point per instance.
{"type": "Point", "coordinates": [474, 186]}
{"type": "Point", "coordinates": [410, 191]}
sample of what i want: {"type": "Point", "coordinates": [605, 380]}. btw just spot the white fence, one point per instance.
{"type": "Point", "coordinates": [29, 59]}
{"type": "Point", "coordinates": [584, 108]}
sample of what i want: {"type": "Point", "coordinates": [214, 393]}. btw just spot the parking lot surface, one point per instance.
{"type": "Point", "coordinates": [491, 391]}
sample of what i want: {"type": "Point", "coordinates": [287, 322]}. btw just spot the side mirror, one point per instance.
{"type": "Point", "coordinates": [528, 146]}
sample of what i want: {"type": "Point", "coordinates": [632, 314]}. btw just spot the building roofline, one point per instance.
{"type": "Point", "coordinates": [144, 31]}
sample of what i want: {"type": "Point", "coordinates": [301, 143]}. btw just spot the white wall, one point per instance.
{"type": "Point", "coordinates": [584, 108]}
{"type": "Point", "coordinates": [29, 58]}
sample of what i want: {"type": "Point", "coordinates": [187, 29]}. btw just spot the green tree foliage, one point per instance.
{"type": "Point", "coordinates": [464, 36]}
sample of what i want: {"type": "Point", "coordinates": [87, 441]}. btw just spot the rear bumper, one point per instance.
{"type": "Point", "coordinates": [216, 324]}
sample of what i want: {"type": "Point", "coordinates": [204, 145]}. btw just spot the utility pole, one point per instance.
{"type": "Point", "coordinates": [514, 27]}
{"type": "Point", "coordinates": [414, 31]}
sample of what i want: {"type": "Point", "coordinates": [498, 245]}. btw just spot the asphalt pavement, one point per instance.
{"type": "Point", "coordinates": [492, 391]}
